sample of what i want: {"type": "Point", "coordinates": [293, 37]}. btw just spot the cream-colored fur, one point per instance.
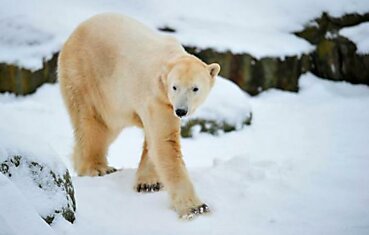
{"type": "Point", "coordinates": [114, 73]}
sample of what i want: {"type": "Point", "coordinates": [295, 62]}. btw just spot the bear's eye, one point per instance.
{"type": "Point", "coordinates": [174, 88]}
{"type": "Point", "coordinates": [195, 89]}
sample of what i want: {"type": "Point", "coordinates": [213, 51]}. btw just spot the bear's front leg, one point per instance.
{"type": "Point", "coordinates": [147, 180]}
{"type": "Point", "coordinates": [163, 131]}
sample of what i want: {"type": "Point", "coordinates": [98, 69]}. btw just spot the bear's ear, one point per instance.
{"type": "Point", "coordinates": [214, 69]}
{"type": "Point", "coordinates": [164, 72]}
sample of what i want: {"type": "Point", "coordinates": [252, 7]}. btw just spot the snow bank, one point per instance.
{"type": "Point", "coordinates": [30, 32]}
{"type": "Point", "coordinates": [359, 35]}
{"type": "Point", "coordinates": [38, 173]}
{"type": "Point", "coordinates": [17, 216]}
{"type": "Point", "coordinates": [14, 143]}
{"type": "Point", "coordinates": [227, 108]}
{"type": "Point", "coordinates": [225, 103]}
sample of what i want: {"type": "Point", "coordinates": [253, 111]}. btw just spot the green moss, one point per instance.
{"type": "Point", "coordinates": [209, 126]}
{"type": "Point", "coordinates": [325, 48]}
{"type": "Point", "coordinates": [49, 219]}
{"type": "Point", "coordinates": [311, 33]}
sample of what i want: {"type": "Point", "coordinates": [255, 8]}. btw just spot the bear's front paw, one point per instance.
{"type": "Point", "coordinates": [195, 211]}
{"type": "Point", "coordinates": [148, 188]}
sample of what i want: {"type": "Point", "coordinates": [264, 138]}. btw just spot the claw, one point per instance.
{"type": "Point", "coordinates": [202, 209]}
{"type": "Point", "coordinates": [195, 211]}
{"type": "Point", "coordinates": [106, 171]}
{"type": "Point", "coordinates": [111, 170]}
{"type": "Point", "coordinates": [159, 186]}
{"type": "Point", "coordinates": [148, 188]}
{"type": "Point", "coordinates": [188, 216]}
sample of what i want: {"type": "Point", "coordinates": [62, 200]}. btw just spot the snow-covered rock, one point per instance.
{"type": "Point", "coordinates": [31, 32]}
{"type": "Point", "coordinates": [42, 179]}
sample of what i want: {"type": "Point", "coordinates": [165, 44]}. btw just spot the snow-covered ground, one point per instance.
{"type": "Point", "coordinates": [32, 30]}
{"type": "Point", "coordinates": [300, 168]}
{"type": "Point", "coordinates": [359, 35]}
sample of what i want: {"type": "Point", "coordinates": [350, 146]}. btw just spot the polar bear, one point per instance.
{"type": "Point", "coordinates": [114, 72]}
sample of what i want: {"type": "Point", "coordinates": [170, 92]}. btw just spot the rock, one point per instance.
{"type": "Point", "coordinates": [253, 75]}
{"type": "Point", "coordinates": [22, 81]}
{"type": "Point", "coordinates": [327, 61]}
{"type": "Point", "coordinates": [336, 57]}
{"type": "Point", "coordinates": [49, 190]}
{"type": "Point", "coordinates": [319, 28]}
{"type": "Point", "coordinates": [213, 127]}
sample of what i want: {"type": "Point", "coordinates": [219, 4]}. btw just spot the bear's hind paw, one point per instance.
{"type": "Point", "coordinates": [98, 170]}
{"type": "Point", "coordinates": [108, 170]}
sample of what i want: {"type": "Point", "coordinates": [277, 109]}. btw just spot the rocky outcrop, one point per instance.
{"type": "Point", "coordinates": [48, 190]}
{"type": "Point", "coordinates": [326, 25]}
{"type": "Point", "coordinates": [253, 75]}
{"type": "Point", "coordinates": [23, 81]}
{"type": "Point", "coordinates": [334, 58]}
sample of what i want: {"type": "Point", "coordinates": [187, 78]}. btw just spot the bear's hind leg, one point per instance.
{"type": "Point", "coordinates": [92, 139]}
{"type": "Point", "coordinates": [147, 179]}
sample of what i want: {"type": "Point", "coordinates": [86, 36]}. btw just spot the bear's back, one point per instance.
{"type": "Point", "coordinates": [123, 34]}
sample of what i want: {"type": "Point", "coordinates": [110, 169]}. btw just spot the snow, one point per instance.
{"type": "Point", "coordinates": [16, 214]}
{"type": "Point", "coordinates": [19, 143]}
{"type": "Point", "coordinates": [300, 168]}
{"type": "Point", "coordinates": [50, 197]}
{"type": "Point", "coordinates": [30, 32]}
{"type": "Point", "coordinates": [359, 35]}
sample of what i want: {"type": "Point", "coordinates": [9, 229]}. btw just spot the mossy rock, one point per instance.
{"type": "Point", "coordinates": [45, 181]}
{"type": "Point", "coordinates": [23, 81]}
{"type": "Point", "coordinates": [318, 28]}
{"type": "Point", "coordinates": [210, 126]}
{"type": "Point", "coordinates": [251, 74]}
{"type": "Point", "coordinates": [335, 57]}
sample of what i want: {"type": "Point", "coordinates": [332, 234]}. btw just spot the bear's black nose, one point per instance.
{"type": "Point", "coordinates": [181, 112]}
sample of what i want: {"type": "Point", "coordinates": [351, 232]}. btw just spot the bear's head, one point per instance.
{"type": "Point", "coordinates": [188, 82]}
